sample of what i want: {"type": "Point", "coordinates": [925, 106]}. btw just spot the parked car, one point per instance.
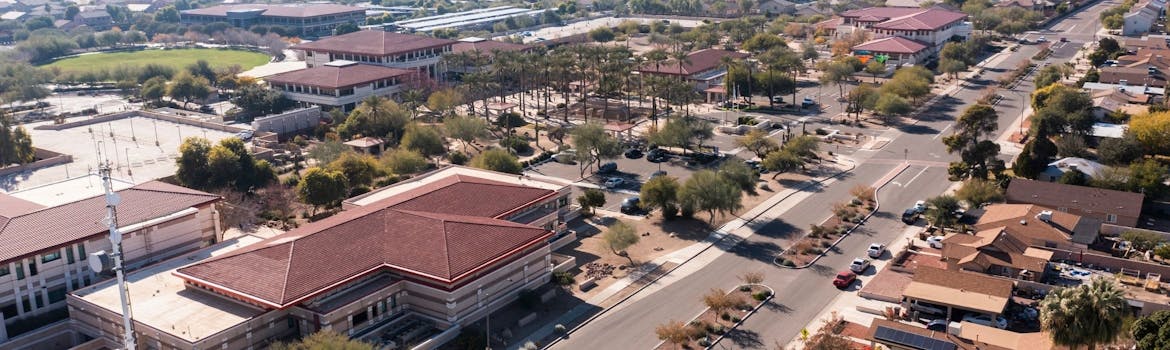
{"type": "Point", "coordinates": [630, 205]}
{"type": "Point", "coordinates": [875, 250]}
{"type": "Point", "coordinates": [928, 308]}
{"type": "Point", "coordinates": [658, 173]}
{"type": "Point", "coordinates": [566, 157]}
{"type": "Point", "coordinates": [1063, 40]}
{"type": "Point", "coordinates": [910, 216]}
{"type": "Point", "coordinates": [245, 135]}
{"type": "Point", "coordinates": [859, 265]}
{"type": "Point", "coordinates": [614, 182]}
{"type": "Point", "coordinates": [920, 206]}
{"type": "Point", "coordinates": [607, 168]}
{"type": "Point", "coordinates": [633, 153]}
{"type": "Point", "coordinates": [986, 320]}
{"type": "Point", "coordinates": [937, 325]}
{"type": "Point", "coordinates": [844, 279]}
{"type": "Point", "coordinates": [935, 242]}
{"type": "Point", "coordinates": [656, 155]}
{"type": "Point", "coordinates": [808, 102]}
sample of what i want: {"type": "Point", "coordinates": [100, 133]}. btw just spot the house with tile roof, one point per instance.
{"type": "Point", "coordinates": [899, 50]}
{"type": "Point", "coordinates": [394, 50]}
{"type": "Point", "coordinates": [703, 69]}
{"type": "Point", "coordinates": [306, 19]}
{"type": "Point", "coordinates": [47, 244]}
{"type": "Point", "coordinates": [1108, 206]}
{"type": "Point", "coordinates": [340, 84]}
{"type": "Point", "coordinates": [1008, 240]}
{"type": "Point", "coordinates": [417, 259]}
{"type": "Point", "coordinates": [931, 27]}
{"type": "Point", "coordinates": [955, 292]}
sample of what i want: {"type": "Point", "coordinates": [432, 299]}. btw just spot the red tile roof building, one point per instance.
{"type": "Point", "coordinates": [897, 48]}
{"type": "Point", "coordinates": [389, 49]}
{"type": "Point", "coordinates": [440, 249]}
{"type": "Point", "coordinates": [1108, 206]}
{"type": "Point", "coordinates": [46, 248]}
{"type": "Point", "coordinates": [306, 19]}
{"type": "Point", "coordinates": [703, 68]}
{"type": "Point", "coordinates": [340, 84]}
{"type": "Point", "coordinates": [931, 27]}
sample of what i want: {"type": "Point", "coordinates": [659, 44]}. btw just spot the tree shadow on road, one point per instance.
{"type": "Point", "coordinates": [772, 305]}
{"type": "Point", "coordinates": [776, 228]}
{"type": "Point", "coordinates": [744, 338]}
{"type": "Point", "coordinates": [759, 251]}
{"type": "Point", "coordinates": [823, 270]}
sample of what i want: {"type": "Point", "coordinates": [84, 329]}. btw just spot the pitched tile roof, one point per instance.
{"type": "Point", "coordinates": [443, 231]}
{"type": "Point", "coordinates": [1135, 44]}
{"type": "Point", "coordinates": [1133, 76]}
{"type": "Point", "coordinates": [699, 61]}
{"type": "Point", "coordinates": [961, 289]}
{"type": "Point", "coordinates": [47, 228]}
{"type": "Point", "coordinates": [374, 42]}
{"type": "Point", "coordinates": [906, 18]}
{"type": "Point", "coordinates": [11, 206]}
{"type": "Point", "coordinates": [1086, 198]}
{"type": "Point", "coordinates": [1020, 220]}
{"type": "Point", "coordinates": [891, 44]}
{"type": "Point", "coordinates": [993, 246]}
{"type": "Point", "coordinates": [337, 76]}
{"type": "Point", "coordinates": [274, 10]}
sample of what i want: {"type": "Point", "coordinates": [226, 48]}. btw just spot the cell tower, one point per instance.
{"type": "Point", "coordinates": [112, 200]}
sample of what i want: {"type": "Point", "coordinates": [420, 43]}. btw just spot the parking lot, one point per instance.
{"type": "Point", "coordinates": [633, 172]}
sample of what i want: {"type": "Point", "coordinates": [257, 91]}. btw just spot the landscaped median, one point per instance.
{"type": "Point", "coordinates": [725, 311]}
{"type": "Point", "coordinates": [846, 217]}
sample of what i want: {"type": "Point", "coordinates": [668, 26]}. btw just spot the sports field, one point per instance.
{"type": "Point", "coordinates": [177, 58]}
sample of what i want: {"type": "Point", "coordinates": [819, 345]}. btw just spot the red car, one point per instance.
{"type": "Point", "coordinates": [844, 279]}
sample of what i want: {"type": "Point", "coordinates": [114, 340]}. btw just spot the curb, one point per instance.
{"type": "Point", "coordinates": [556, 340]}
{"type": "Point", "coordinates": [877, 205]}
{"type": "Point", "coordinates": [771, 294]}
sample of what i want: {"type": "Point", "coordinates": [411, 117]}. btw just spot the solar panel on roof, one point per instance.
{"type": "Point", "coordinates": [912, 340]}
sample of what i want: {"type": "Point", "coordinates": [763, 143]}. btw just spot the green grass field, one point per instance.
{"type": "Point", "coordinates": [177, 58]}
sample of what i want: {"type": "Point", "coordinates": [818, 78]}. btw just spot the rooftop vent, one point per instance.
{"type": "Point", "coordinates": [1023, 222]}
{"type": "Point", "coordinates": [340, 63]}
{"type": "Point", "coordinates": [1045, 216]}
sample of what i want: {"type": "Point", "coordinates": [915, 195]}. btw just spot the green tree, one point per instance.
{"type": "Point", "coordinates": [952, 67]}
{"type": "Point", "coordinates": [875, 69]}
{"type": "Point", "coordinates": [375, 117]}
{"type": "Point", "coordinates": [187, 87]}
{"type": "Point", "coordinates": [978, 192]}
{"type": "Point", "coordinates": [708, 191]}
{"type": "Point", "coordinates": [223, 166]}
{"type": "Point", "coordinates": [1120, 151]}
{"type": "Point", "coordinates": [1152, 130]}
{"type": "Point", "coordinates": [758, 142]}
{"type": "Point", "coordinates": [322, 188]}
{"type": "Point", "coordinates": [167, 14]}
{"type": "Point", "coordinates": [359, 169]}
{"type": "Point", "coordinates": [193, 169]}
{"type": "Point", "coordinates": [659, 192]}
{"type": "Point", "coordinates": [465, 129]}
{"type": "Point", "coordinates": [1153, 331]}
{"type": "Point", "coordinates": [783, 161]}
{"type": "Point", "coordinates": [601, 35]}
{"type": "Point", "coordinates": [325, 340]}
{"type": "Point", "coordinates": [1074, 177]}
{"type": "Point", "coordinates": [909, 82]}
{"type": "Point", "coordinates": [740, 174]}
{"type": "Point", "coordinates": [497, 160]}
{"type": "Point", "coordinates": [1089, 314]}
{"type": "Point", "coordinates": [426, 140]}
{"type": "Point", "coordinates": [620, 236]}
{"type": "Point", "coordinates": [345, 28]}
{"type": "Point", "coordinates": [593, 144]}
{"type": "Point", "coordinates": [889, 105]}
{"type": "Point", "coordinates": [804, 146]}
{"type": "Point", "coordinates": [255, 101]}
{"type": "Point", "coordinates": [73, 10]}
{"type": "Point", "coordinates": [328, 151]}
{"type": "Point", "coordinates": [978, 154]}
{"type": "Point", "coordinates": [940, 210]}
{"type": "Point", "coordinates": [1047, 76]}
{"type": "Point", "coordinates": [1148, 177]}
{"type": "Point", "coordinates": [591, 198]}
{"type": "Point", "coordinates": [444, 101]}
{"type": "Point", "coordinates": [1143, 240]}
{"type": "Point", "coordinates": [403, 161]}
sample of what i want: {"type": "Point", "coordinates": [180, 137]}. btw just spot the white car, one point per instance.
{"type": "Point", "coordinates": [614, 182]}
{"type": "Point", "coordinates": [859, 265]}
{"type": "Point", "coordinates": [920, 206]}
{"type": "Point", "coordinates": [935, 242]}
{"type": "Point", "coordinates": [875, 250]}
{"type": "Point", "coordinates": [1042, 39]}
{"type": "Point", "coordinates": [986, 320]}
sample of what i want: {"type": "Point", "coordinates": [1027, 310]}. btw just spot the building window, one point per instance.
{"type": "Point", "coordinates": [1111, 218]}
{"type": "Point", "coordinates": [47, 258]}
{"type": "Point", "coordinates": [19, 271]}
{"type": "Point", "coordinates": [69, 255]}
{"type": "Point", "coordinates": [32, 268]}
{"type": "Point", "coordinates": [81, 251]}
{"type": "Point", "coordinates": [4, 271]}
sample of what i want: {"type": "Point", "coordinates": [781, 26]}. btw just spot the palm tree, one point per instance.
{"type": "Point", "coordinates": [657, 56]}
{"type": "Point", "coordinates": [1089, 314]}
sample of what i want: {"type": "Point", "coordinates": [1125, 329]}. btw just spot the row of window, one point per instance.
{"type": "Point", "coordinates": [45, 258]}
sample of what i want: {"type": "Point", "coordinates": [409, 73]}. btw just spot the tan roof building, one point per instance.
{"type": "Point", "coordinates": [1108, 206]}
{"type": "Point", "coordinates": [1027, 222]}
{"type": "Point", "coordinates": [965, 291]}
{"type": "Point", "coordinates": [395, 50]}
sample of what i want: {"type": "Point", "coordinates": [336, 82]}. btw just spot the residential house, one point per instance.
{"type": "Point", "coordinates": [1061, 166]}
{"type": "Point", "coordinates": [894, 335]}
{"type": "Point", "coordinates": [1039, 226]}
{"type": "Point", "coordinates": [1121, 100]}
{"type": "Point", "coordinates": [1135, 44]}
{"type": "Point", "coordinates": [340, 84]}
{"type": "Point", "coordinates": [1142, 16]}
{"type": "Point", "coordinates": [394, 50]}
{"type": "Point", "coordinates": [704, 69]}
{"type": "Point", "coordinates": [996, 251]}
{"type": "Point", "coordinates": [14, 16]}
{"type": "Point", "coordinates": [97, 19]}
{"type": "Point", "coordinates": [811, 9]}
{"type": "Point", "coordinates": [932, 27]}
{"type": "Point", "coordinates": [49, 241]}
{"type": "Point", "coordinates": [1106, 130]}
{"type": "Point", "coordinates": [901, 51]}
{"type": "Point", "coordinates": [1033, 5]}
{"type": "Point", "coordinates": [306, 19]}
{"type": "Point", "coordinates": [1108, 206]}
{"type": "Point", "coordinates": [777, 7]}
{"type": "Point", "coordinates": [422, 259]}
{"type": "Point", "coordinates": [932, 290]}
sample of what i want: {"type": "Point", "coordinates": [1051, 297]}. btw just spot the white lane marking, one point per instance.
{"type": "Point", "coordinates": [916, 176]}
{"type": "Point", "coordinates": [944, 130]}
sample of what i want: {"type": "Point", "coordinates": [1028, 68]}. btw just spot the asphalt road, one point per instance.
{"type": "Point", "coordinates": [803, 294]}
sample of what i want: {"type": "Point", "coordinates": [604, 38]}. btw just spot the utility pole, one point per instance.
{"type": "Point", "coordinates": [112, 200]}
